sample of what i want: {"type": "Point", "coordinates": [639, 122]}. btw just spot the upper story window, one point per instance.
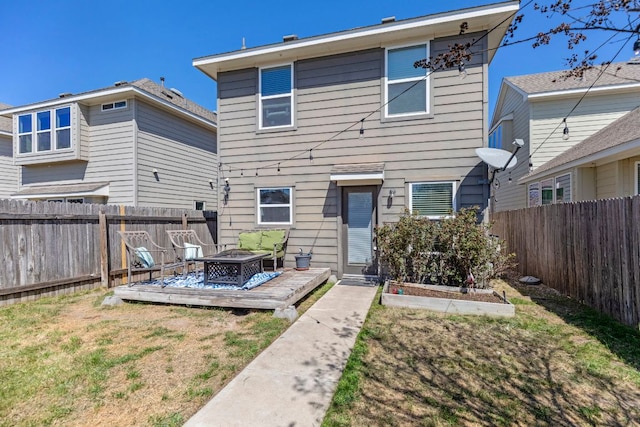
{"type": "Point", "coordinates": [406, 88]}
{"type": "Point", "coordinates": [48, 134]}
{"type": "Point", "coordinates": [432, 199]}
{"type": "Point", "coordinates": [114, 105]}
{"type": "Point", "coordinates": [274, 205]}
{"type": "Point", "coordinates": [495, 139]}
{"type": "Point", "coordinates": [276, 97]}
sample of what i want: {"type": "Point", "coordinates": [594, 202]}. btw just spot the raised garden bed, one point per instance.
{"type": "Point", "coordinates": [446, 299]}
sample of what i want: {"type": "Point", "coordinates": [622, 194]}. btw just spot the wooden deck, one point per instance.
{"type": "Point", "coordinates": [286, 289]}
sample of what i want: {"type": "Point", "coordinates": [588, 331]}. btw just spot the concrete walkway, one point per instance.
{"type": "Point", "coordinates": [292, 382]}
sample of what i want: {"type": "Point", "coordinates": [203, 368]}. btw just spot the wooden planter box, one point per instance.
{"type": "Point", "coordinates": [447, 305]}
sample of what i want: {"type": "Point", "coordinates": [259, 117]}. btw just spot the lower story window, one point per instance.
{"type": "Point", "coordinates": [433, 199]}
{"type": "Point", "coordinates": [274, 205]}
{"type": "Point", "coordinates": [199, 205]}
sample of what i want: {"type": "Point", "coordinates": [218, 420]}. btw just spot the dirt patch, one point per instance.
{"type": "Point", "coordinates": [470, 295]}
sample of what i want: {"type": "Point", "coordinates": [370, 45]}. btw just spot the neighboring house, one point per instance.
{"type": "Point", "coordinates": [135, 144]}
{"type": "Point", "coordinates": [532, 108]}
{"type": "Point", "coordinates": [335, 134]}
{"type": "Point", "coordinates": [603, 166]}
{"type": "Point", "coordinates": [8, 172]}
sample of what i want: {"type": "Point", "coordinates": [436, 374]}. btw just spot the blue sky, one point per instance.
{"type": "Point", "coordinates": [55, 46]}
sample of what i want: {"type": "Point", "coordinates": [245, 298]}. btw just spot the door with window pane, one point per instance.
{"type": "Point", "coordinates": [358, 218]}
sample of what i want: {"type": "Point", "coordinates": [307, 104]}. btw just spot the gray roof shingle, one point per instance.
{"type": "Point", "coordinates": [623, 130]}
{"type": "Point", "coordinates": [619, 73]}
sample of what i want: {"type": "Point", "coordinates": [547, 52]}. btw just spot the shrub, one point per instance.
{"type": "Point", "coordinates": [444, 252]}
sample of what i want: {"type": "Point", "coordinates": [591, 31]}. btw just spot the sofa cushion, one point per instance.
{"type": "Point", "coordinates": [250, 241]}
{"type": "Point", "coordinates": [144, 256]}
{"type": "Point", "coordinates": [270, 238]}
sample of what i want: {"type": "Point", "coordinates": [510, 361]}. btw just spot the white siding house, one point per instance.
{"type": "Point", "coordinates": [536, 107]}
{"type": "Point", "coordinates": [137, 144]}
{"type": "Point", "coordinates": [8, 172]}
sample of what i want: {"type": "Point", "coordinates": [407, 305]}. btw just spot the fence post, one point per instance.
{"type": "Point", "coordinates": [185, 224]}
{"type": "Point", "coordinates": [104, 253]}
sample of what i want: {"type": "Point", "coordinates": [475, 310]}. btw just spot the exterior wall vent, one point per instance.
{"type": "Point", "coordinates": [388, 19]}
{"type": "Point", "coordinates": [289, 38]}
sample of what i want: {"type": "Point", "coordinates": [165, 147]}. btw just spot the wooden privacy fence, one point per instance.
{"type": "Point", "coordinates": [589, 251]}
{"type": "Point", "coordinates": [50, 248]}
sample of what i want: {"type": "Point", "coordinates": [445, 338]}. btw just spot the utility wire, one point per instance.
{"type": "Point", "coordinates": [361, 121]}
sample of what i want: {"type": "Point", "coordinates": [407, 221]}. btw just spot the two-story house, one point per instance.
{"type": "Point", "coordinates": [334, 134]}
{"type": "Point", "coordinates": [551, 114]}
{"type": "Point", "coordinates": [135, 144]}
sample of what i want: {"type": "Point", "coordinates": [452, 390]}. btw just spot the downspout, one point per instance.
{"type": "Point", "coordinates": [134, 126]}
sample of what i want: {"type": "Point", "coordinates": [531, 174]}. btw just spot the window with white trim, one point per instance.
{"type": "Point", "coordinates": [276, 97]}
{"type": "Point", "coordinates": [274, 205]}
{"type": "Point", "coordinates": [406, 86]}
{"type": "Point", "coordinates": [118, 105]}
{"type": "Point", "coordinates": [199, 205]}
{"type": "Point", "coordinates": [546, 187]}
{"type": "Point", "coordinates": [432, 199]}
{"type": "Point", "coordinates": [48, 134]}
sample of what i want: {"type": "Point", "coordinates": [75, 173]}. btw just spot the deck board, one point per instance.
{"type": "Point", "coordinates": [287, 289]}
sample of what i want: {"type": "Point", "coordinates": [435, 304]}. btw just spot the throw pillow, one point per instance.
{"type": "Point", "coordinates": [192, 251]}
{"type": "Point", "coordinates": [145, 257]}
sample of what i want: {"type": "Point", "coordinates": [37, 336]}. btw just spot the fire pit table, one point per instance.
{"type": "Point", "coordinates": [233, 267]}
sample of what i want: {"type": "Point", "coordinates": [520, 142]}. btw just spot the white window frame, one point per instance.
{"type": "Point", "coordinates": [53, 131]}
{"type": "Point", "coordinates": [259, 206]}
{"type": "Point", "coordinates": [280, 95]}
{"type": "Point", "coordinates": [426, 78]}
{"type": "Point", "coordinates": [453, 198]}
{"type": "Point", "coordinates": [116, 105]}
{"type": "Point", "coordinates": [195, 205]}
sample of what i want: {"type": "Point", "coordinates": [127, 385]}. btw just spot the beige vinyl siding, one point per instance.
{"type": "Point", "coordinates": [607, 181]}
{"type": "Point", "coordinates": [184, 154]}
{"type": "Point", "coordinates": [8, 172]}
{"type": "Point", "coordinates": [594, 113]}
{"type": "Point", "coordinates": [513, 195]}
{"type": "Point", "coordinates": [111, 136]}
{"type": "Point", "coordinates": [331, 94]}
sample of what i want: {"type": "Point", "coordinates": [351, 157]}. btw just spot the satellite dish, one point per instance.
{"type": "Point", "coordinates": [497, 158]}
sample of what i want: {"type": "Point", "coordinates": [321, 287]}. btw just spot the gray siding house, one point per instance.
{"type": "Point", "coordinates": [333, 135]}
{"type": "Point", "coordinates": [533, 107]}
{"type": "Point", "coordinates": [8, 172]}
{"type": "Point", "coordinates": [135, 144]}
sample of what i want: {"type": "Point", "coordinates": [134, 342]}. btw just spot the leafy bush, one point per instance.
{"type": "Point", "coordinates": [445, 252]}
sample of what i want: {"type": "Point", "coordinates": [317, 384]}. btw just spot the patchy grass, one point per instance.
{"type": "Point", "coordinates": [555, 363]}
{"type": "Point", "coordinates": [70, 361]}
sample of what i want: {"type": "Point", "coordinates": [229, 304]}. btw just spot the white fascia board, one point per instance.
{"type": "Point", "coordinates": [580, 91]}
{"type": "Point", "coordinates": [5, 133]}
{"type": "Point", "coordinates": [499, 122]}
{"type": "Point", "coordinates": [102, 191]}
{"type": "Point", "coordinates": [618, 149]}
{"type": "Point", "coordinates": [107, 93]}
{"type": "Point", "coordinates": [286, 51]}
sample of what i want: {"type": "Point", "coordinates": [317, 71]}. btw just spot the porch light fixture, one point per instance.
{"type": "Point", "coordinates": [211, 183]}
{"type": "Point", "coordinates": [226, 189]}
{"type": "Point", "coordinates": [462, 71]}
{"type": "Point", "coordinates": [392, 193]}
{"type": "Point", "coordinates": [565, 131]}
